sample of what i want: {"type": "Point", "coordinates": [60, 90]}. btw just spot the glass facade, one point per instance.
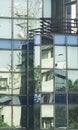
{"type": "Point", "coordinates": [38, 73]}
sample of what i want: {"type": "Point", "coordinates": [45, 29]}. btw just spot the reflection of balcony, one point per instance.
{"type": "Point", "coordinates": [47, 63]}
{"type": "Point", "coordinates": [47, 86]}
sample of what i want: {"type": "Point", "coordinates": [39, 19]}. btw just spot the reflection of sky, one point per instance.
{"type": "Point", "coordinates": [5, 8]}
{"type": "Point", "coordinates": [59, 39]}
{"type": "Point", "coordinates": [73, 75]}
{"type": "Point", "coordinates": [37, 56]}
{"type": "Point", "coordinates": [5, 59]}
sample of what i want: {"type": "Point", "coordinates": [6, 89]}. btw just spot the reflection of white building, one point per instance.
{"type": "Point", "coordinates": [6, 88]}
{"type": "Point", "coordinates": [47, 110]}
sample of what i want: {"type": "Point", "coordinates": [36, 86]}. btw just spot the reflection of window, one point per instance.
{"type": "Point", "coordinates": [3, 83]}
{"type": "Point", "coordinates": [47, 98]}
{"type": "Point", "coordinates": [47, 122]}
{"type": "Point", "coordinates": [45, 54]}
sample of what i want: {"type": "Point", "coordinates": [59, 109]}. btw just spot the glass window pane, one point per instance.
{"type": "Point", "coordinates": [60, 57]}
{"type": "Point", "coordinates": [33, 25]}
{"type": "Point", "coordinates": [5, 117]}
{"type": "Point", "coordinates": [20, 29]}
{"type": "Point", "coordinates": [47, 116]}
{"type": "Point", "coordinates": [47, 80]}
{"type": "Point", "coordinates": [47, 8]}
{"type": "Point", "coordinates": [19, 84]}
{"type": "Point", "coordinates": [73, 117]}
{"type": "Point", "coordinates": [37, 39]}
{"type": "Point", "coordinates": [5, 61]}
{"type": "Point", "coordinates": [37, 56]}
{"type": "Point", "coordinates": [47, 56]}
{"type": "Point", "coordinates": [60, 80]}
{"type": "Point", "coordinates": [35, 8]}
{"type": "Point", "coordinates": [20, 8]}
{"type": "Point", "coordinates": [73, 98]}
{"type": "Point", "coordinates": [72, 57]}
{"type": "Point", "coordinates": [20, 61]}
{"type": "Point", "coordinates": [5, 28]}
{"type": "Point", "coordinates": [20, 44]}
{"type": "Point", "coordinates": [5, 8]}
{"type": "Point", "coordinates": [5, 44]}
{"type": "Point", "coordinates": [36, 116]}
{"type": "Point", "coordinates": [72, 40]}
{"type": "Point", "coordinates": [60, 98]}
{"type": "Point", "coordinates": [5, 83]}
{"type": "Point", "coordinates": [59, 39]}
{"type": "Point", "coordinates": [60, 117]}
{"type": "Point", "coordinates": [19, 100]}
{"type": "Point", "coordinates": [5, 100]}
{"type": "Point", "coordinates": [73, 81]}
{"type": "Point", "coordinates": [37, 78]}
{"type": "Point", "coordinates": [47, 98]}
{"type": "Point", "coordinates": [19, 116]}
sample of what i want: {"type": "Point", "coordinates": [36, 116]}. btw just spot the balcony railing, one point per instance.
{"type": "Point", "coordinates": [50, 25]}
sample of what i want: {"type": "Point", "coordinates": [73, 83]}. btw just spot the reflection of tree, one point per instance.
{"type": "Point", "coordinates": [73, 118]}
{"type": "Point", "coordinates": [73, 87]}
{"type": "Point", "coordinates": [37, 78]}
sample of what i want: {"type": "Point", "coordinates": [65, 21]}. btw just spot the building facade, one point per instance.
{"type": "Point", "coordinates": [38, 65]}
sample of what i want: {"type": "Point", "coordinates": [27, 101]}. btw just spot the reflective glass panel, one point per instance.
{"type": "Point", "coordinates": [5, 83]}
{"type": "Point", "coordinates": [5, 100]}
{"type": "Point", "coordinates": [46, 56]}
{"type": "Point", "coordinates": [20, 61]}
{"type": "Point", "coordinates": [20, 29]}
{"type": "Point", "coordinates": [37, 39]}
{"type": "Point", "coordinates": [59, 39]}
{"type": "Point", "coordinates": [20, 44]}
{"type": "Point", "coordinates": [47, 8]}
{"type": "Point", "coordinates": [73, 117]}
{"type": "Point", "coordinates": [47, 116]}
{"type": "Point", "coordinates": [37, 77]}
{"type": "Point", "coordinates": [35, 8]}
{"type": "Point", "coordinates": [36, 116]}
{"type": "Point", "coordinates": [60, 98]}
{"type": "Point", "coordinates": [60, 80]}
{"type": "Point", "coordinates": [5, 44]}
{"type": "Point", "coordinates": [5, 28]}
{"type": "Point", "coordinates": [5, 117]}
{"type": "Point", "coordinates": [19, 83]}
{"type": "Point", "coordinates": [20, 8]}
{"type": "Point", "coordinates": [5, 61]}
{"type": "Point", "coordinates": [73, 81]}
{"type": "Point", "coordinates": [19, 116]}
{"type": "Point", "coordinates": [47, 80]}
{"type": "Point", "coordinates": [36, 56]}
{"type": "Point", "coordinates": [47, 98]}
{"type": "Point", "coordinates": [31, 117]}
{"type": "Point", "coordinates": [72, 40]}
{"type": "Point", "coordinates": [5, 8]}
{"type": "Point", "coordinates": [33, 24]}
{"type": "Point", "coordinates": [60, 57]}
{"type": "Point", "coordinates": [73, 98]}
{"type": "Point", "coordinates": [72, 57]}
{"type": "Point", "coordinates": [60, 117]}
{"type": "Point", "coordinates": [19, 100]}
